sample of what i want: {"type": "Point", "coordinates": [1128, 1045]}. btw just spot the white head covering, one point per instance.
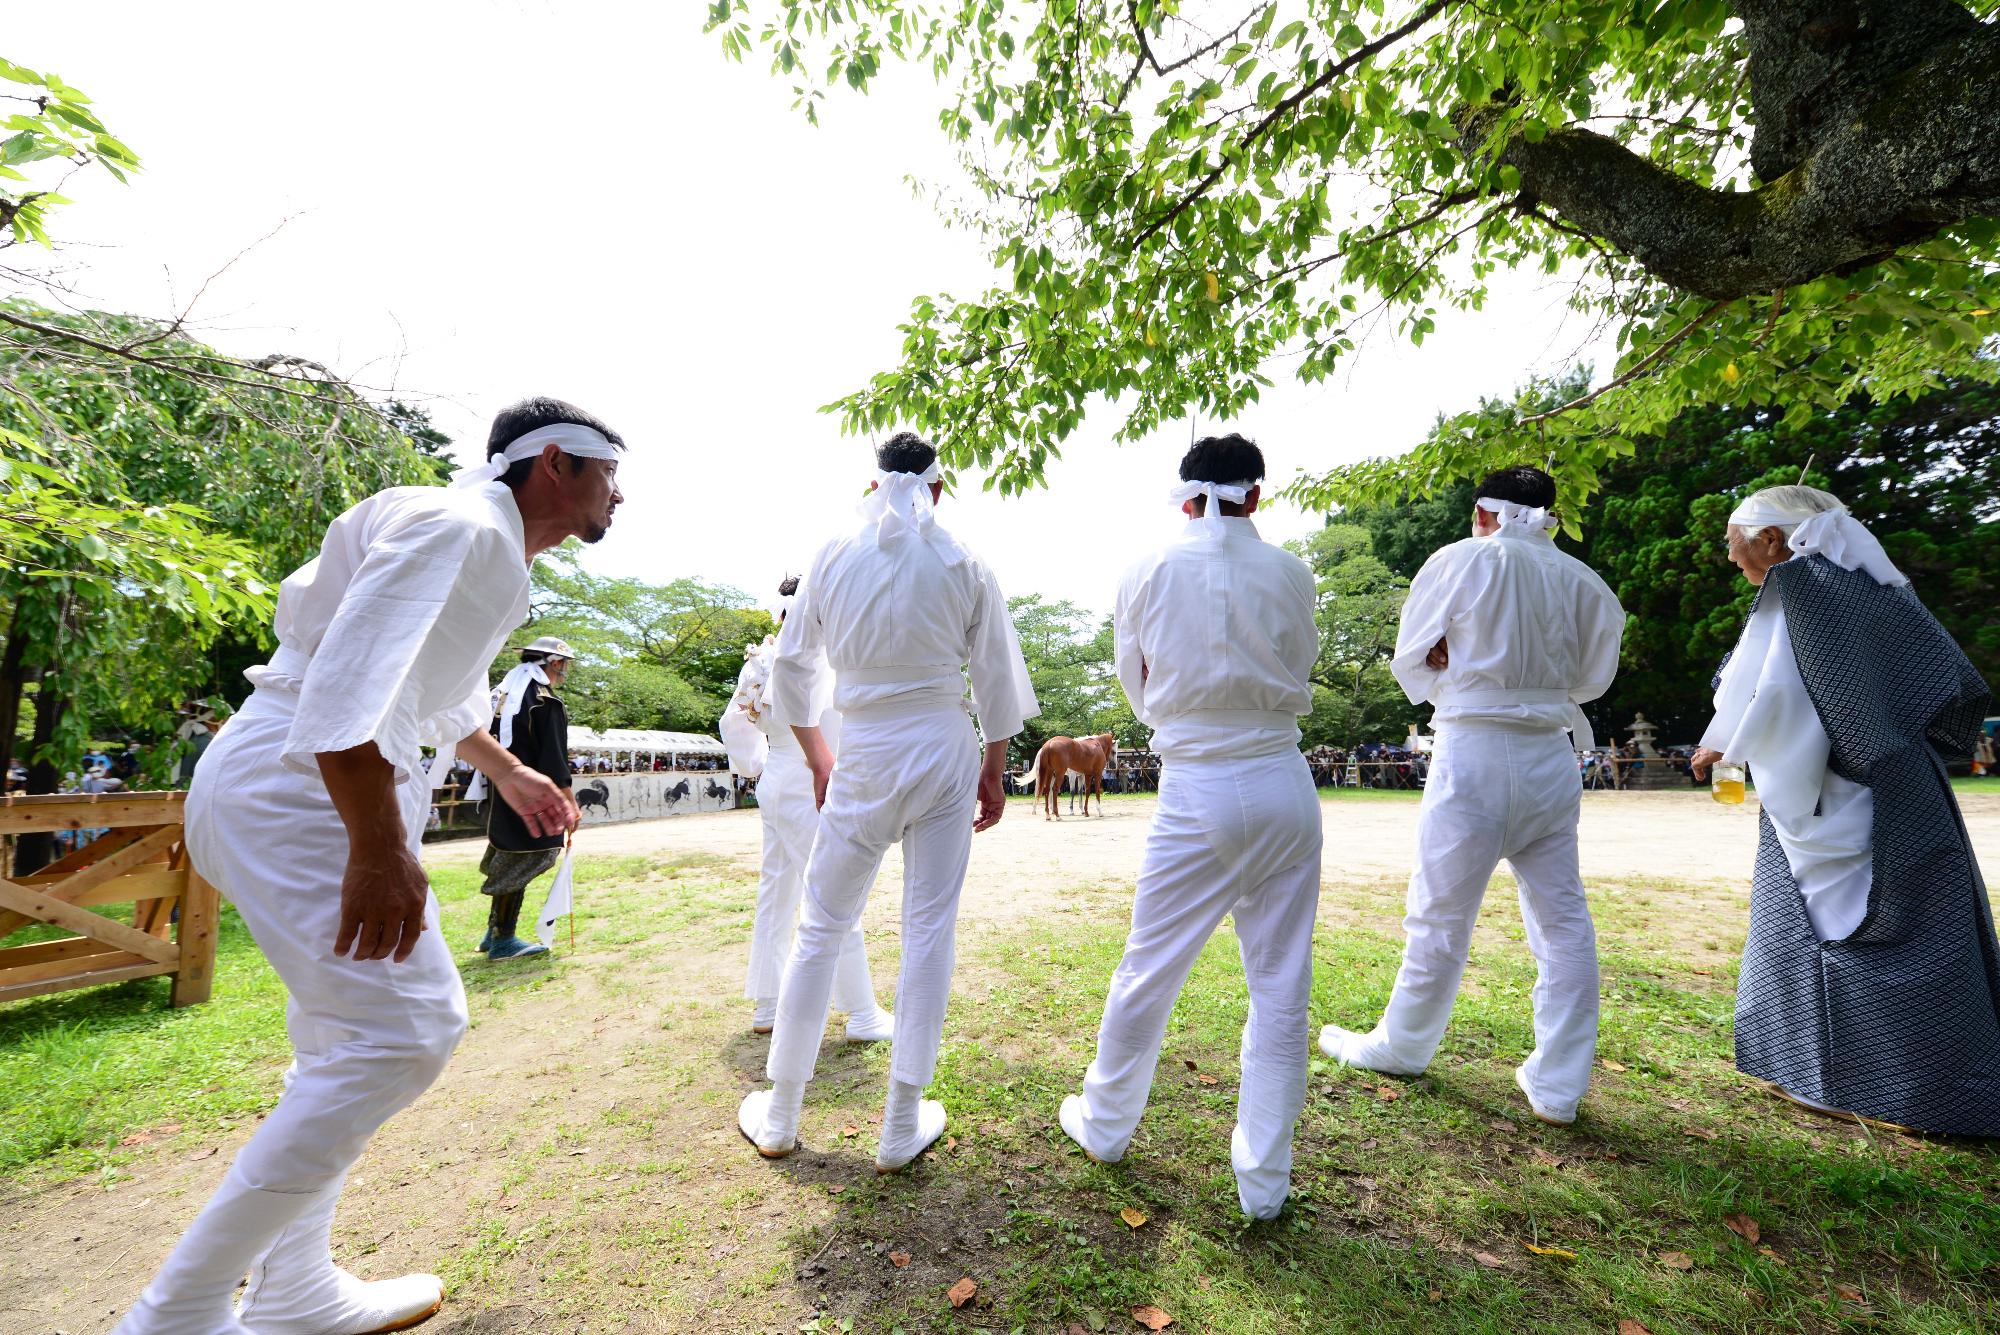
{"type": "Point", "coordinates": [1235, 493]}
{"type": "Point", "coordinates": [586, 442]}
{"type": "Point", "coordinates": [901, 505]}
{"type": "Point", "coordinates": [1513, 514]}
{"type": "Point", "coordinates": [1815, 521]}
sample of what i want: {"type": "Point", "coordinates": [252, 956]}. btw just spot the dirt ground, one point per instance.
{"type": "Point", "coordinates": [1025, 864]}
{"type": "Point", "coordinates": [577, 1167]}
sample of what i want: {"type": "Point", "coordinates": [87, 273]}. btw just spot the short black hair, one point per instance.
{"type": "Point", "coordinates": [1230, 458]}
{"type": "Point", "coordinates": [788, 586]}
{"type": "Point", "coordinates": [1523, 484]}
{"type": "Point", "coordinates": [905, 452]}
{"type": "Point", "coordinates": [518, 419]}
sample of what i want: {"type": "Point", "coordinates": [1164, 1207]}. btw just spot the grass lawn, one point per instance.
{"type": "Point", "coordinates": [1435, 1204]}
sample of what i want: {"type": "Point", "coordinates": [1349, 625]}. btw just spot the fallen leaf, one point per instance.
{"type": "Point", "coordinates": [137, 1138]}
{"type": "Point", "coordinates": [1698, 1132]}
{"type": "Point", "coordinates": [961, 1292]}
{"type": "Point", "coordinates": [1151, 1317]}
{"type": "Point", "coordinates": [1076, 1328]}
{"type": "Point", "coordinates": [1132, 1216]}
{"type": "Point", "coordinates": [1677, 1260]}
{"type": "Point", "coordinates": [1743, 1226]}
{"type": "Point", "coordinates": [1190, 1064]}
{"type": "Point", "coordinates": [1627, 1326]}
{"type": "Point", "coordinates": [1545, 1157]}
{"type": "Point", "coordinates": [1565, 1253]}
{"type": "Point", "coordinates": [899, 1259]}
{"type": "Point", "coordinates": [850, 1130]}
{"type": "Point", "coordinates": [1207, 1079]}
{"type": "Point", "coordinates": [1388, 1093]}
{"type": "Point", "coordinates": [208, 1153]}
{"type": "Point", "coordinates": [1849, 1292]}
{"type": "Point", "coordinates": [1610, 1065]}
{"type": "Point", "coordinates": [1770, 1256]}
{"type": "Point", "coordinates": [1502, 1124]}
{"type": "Point", "coordinates": [1369, 1143]}
{"type": "Point", "coordinates": [1489, 1260]}
{"type": "Point", "coordinates": [1435, 1295]}
{"type": "Point", "coordinates": [835, 1189]}
{"type": "Point", "coordinates": [930, 1156]}
{"type": "Point", "coordinates": [951, 1142]}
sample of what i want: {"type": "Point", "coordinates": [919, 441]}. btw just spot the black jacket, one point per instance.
{"type": "Point", "coordinates": [541, 742]}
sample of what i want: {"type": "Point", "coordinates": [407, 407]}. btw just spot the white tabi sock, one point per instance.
{"type": "Point", "coordinates": [192, 1293]}
{"type": "Point", "coordinates": [764, 1016]}
{"type": "Point", "coordinates": [296, 1289]}
{"type": "Point", "coordinates": [769, 1118]}
{"type": "Point", "coordinates": [911, 1123]}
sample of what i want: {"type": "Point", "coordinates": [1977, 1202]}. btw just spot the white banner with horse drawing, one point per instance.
{"type": "Point", "coordinates": [608, 798]}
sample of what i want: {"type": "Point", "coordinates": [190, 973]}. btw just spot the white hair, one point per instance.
{"type": "Point", "coordinates": [1801, 501]}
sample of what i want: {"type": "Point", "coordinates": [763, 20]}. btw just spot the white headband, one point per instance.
{"type": "Point", "coordinates": [1534, 518]}
{"type": "Point", "coordinates": [582, 441]}
{"type": "Point", "coordinates": [1834, 534]}
{"type": "Point", "coordinates": [1233, 493]}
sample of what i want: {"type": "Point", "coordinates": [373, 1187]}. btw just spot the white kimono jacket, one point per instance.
{"type": "Point", "coordinates": [898, 624]}
{"type": "Point", "coordinates": [1215, 642]}
{"type": "Point", "coordinates": [388, 634]}
{"type": "Point", "coordinates": [1532, 633]}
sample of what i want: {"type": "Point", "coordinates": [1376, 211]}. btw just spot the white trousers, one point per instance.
{"type": "Point", "coordinates": [901, 777]}
{"type": "Point", "coordinates": [1493, 794]}
{"type": "Point", "coordinates": [1238, 838]}
{"type": "Point", "coordinates": [785, 800]}
{"type": "Point", "coordinates": [367, 1036]}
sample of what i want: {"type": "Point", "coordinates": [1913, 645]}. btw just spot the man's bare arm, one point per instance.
{"type": "Point", "coordinates": [819, 758]}
{"type": "Point", "coordinates": [992, 793]}
{"type": "Point", "coordinates": [384, 891]}
{"type": "Point", "coordinates": [544, 805]}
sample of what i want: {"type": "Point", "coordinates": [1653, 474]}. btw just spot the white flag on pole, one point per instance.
{"type": "Point", "coordinates": [559, 903]}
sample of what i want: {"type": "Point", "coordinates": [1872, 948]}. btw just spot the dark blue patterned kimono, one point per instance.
{"type": "Point", "coordinates": [1900, 1020]}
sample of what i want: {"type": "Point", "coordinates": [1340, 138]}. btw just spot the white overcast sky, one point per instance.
{"type": "Point", "coordinates": [486, 200]}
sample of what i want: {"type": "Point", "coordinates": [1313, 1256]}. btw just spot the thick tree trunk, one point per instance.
{"type": "Point", "coordinates": [1877, 126]}
{"type": "Point", "coordinates": [32, 852]}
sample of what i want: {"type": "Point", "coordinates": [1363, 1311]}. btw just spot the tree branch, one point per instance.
{"type": "Point", "coordinates": [1287, 107]}
{"type": "Point", "coordinates": [1639, 368]}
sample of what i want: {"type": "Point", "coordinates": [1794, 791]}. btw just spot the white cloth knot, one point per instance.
{"type": "Point", "coordinates": [585, 442]}
{"type": "Point", "coordinates": [1232, 493]}
{"type": "Point", "coordinates": [1512, 514]}
{"type": "Point", "coordinates": [1835, 534]}
{"type": "Point", "coordinates": [901, 505]}
{"type": "Point", "coordinates": [507, 699]}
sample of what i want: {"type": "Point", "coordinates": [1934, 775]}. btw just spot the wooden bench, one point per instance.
{"type": "Point", "coordinates": [140, 860]}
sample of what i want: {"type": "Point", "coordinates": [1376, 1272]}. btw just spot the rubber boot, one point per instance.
{"type": "Point", "coordinates": [506, 918]}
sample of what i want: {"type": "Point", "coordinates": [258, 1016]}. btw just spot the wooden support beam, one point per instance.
{"type": "Point", "coordinates": [201, 907]}
{"type": "Point", "coordinates": [47, 908]}
{"type": "Point", "coordinates": [70, 811]}
{"type": "Point", "coordinates": [72, 888]}
{"type": "Point", "coordinates": [14, 992]}
{"type": "Point", "coordinates": [67, 948]}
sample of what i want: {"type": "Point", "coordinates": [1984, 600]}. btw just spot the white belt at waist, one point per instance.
{"type": "Point", "coordinates": [1502, 697]}
{"type": "Point", "coordinates": [286, 674]}
{"type": "Point", "coordinates": [1240, 719]}
{"type": "Point", "coordinates": [900, 675]}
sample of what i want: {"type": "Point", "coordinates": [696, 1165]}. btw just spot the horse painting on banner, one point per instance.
{"type": "Point", "coordinates": [1083, 756]}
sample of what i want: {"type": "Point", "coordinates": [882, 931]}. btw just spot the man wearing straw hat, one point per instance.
{"type": "Point", "coordinates": [308, 818]}
{"type": "Point", "coordinates": [532, 723]}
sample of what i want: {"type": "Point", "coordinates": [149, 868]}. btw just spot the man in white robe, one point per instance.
{"type": "Point", "coordinates": [901, 610]}
{"type": "Point", "coordinates": [1215, 642]}
{"type": "Point", "coordinates": [762, 747]}
{"type": "Point", "coordinates": [308, 815]}
{"type": "Point", "coordinates": [1506, 636]}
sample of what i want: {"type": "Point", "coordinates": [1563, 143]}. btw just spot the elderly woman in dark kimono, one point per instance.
{"type": "Point", "coordinates": [1871, 977]}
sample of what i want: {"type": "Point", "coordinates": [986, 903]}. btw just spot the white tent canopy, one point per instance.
{"type": "Point", "coordinates": [651, 741]}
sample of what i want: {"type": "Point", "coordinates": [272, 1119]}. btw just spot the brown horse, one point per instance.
{"type": "Point", "coordinates": [1087, 756]}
